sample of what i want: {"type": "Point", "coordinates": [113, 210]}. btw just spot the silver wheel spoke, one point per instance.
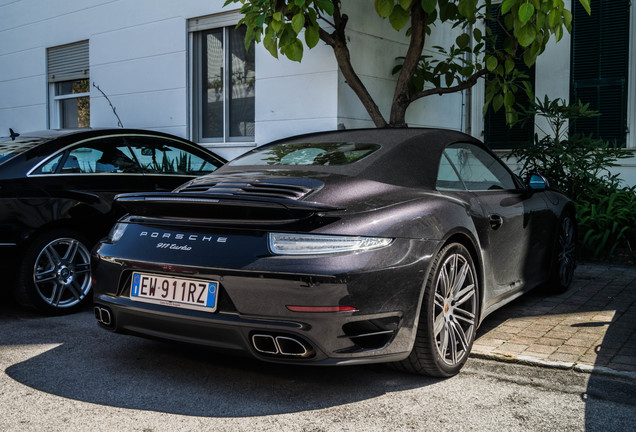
{"type": "Point", "coordinates": [464, 295]}
{"type": "Point", "coordinates": [461, 277]}
{"type": "Point", "coordinates": [439, 324]}
{"type": "Point", "coordinates": [461, 336]}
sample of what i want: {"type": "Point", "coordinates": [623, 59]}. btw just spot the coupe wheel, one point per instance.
{"type": "Point", "coordinates": [448, 317]}
{"type": "Point", "coordinates": [564, 256]}
{"type": "Point", "coordinates": [54, 275]}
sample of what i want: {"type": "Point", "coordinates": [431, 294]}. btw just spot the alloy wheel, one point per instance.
{"type": "Point", "coordinates": [455, 307]}
{"type": "Point", "coordinates": [61, 273]}
{"type": "Point", "coordinates": [567, 251]}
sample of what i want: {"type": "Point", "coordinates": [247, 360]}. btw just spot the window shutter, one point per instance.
{"type": "Point", "coordinates": [67, 62]}
{"type": "Point", "coordinates": [497, 133]}
{"type": "Point", "coordinates": [600, 53]}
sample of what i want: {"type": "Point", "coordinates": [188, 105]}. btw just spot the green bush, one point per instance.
{"type": "Point", "coordinates": [578, 166]}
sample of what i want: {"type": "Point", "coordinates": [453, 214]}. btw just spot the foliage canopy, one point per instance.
{"type": "Point", "coordinates": [286, 27]}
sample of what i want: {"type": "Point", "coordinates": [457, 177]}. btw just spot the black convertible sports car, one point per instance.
{"type": "Point", "coordinates": [337, 248]}
{"type": "Point", "coordinates": [56, 201]}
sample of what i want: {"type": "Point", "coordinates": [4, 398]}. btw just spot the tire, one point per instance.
{"type": "Point", "coordinates": [54, 273]}
{"type": "Point", "coordinates": [448, 316]}
{"type": "Point", "coordinates": [563, 256]}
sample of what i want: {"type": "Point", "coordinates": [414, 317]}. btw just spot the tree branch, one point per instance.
{"type": "Point", "coordinates": [471, 81]}
{"type": "Point", "coordinates": [338, 42]}
{"type": "Point", "coordinates": [401, 97]}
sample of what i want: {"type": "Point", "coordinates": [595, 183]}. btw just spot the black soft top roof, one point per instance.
{"type": "Point", "coordinates": [407, 157]}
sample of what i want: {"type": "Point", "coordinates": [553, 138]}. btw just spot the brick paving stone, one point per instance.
{"type": "Point", "coordinates": [512, 348]}
{"type": "Point", "coordinates": [570, 358]}
{"type": "Point", "coordinates": [551, 341]}
{"type": "Point", "coordinates": [571, 349]}
{"type": "Point", "coordinates": [593, 323]}
{"type": "Point", "coordinates": [536, 348]}
{"type": "Point", "coordinates": [555, 334]}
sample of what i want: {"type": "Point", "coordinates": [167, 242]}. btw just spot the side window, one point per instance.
{"type": "Point", "coordinates": [160, 156]}
{"type": "Point", "coordinates": [103, 156]}
{"type": "Point", "coordinates": [447, 176]}
{"type": "Point", "coordinates": [478, 169]}
{"type": "Point", "coordinates": [51, 166]}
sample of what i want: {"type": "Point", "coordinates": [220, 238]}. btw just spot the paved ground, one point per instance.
{"type": "Point", "coordinates": [592, 327]}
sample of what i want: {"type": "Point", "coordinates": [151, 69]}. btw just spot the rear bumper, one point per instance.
{"type": "Point", "coordinates": [254, 302]}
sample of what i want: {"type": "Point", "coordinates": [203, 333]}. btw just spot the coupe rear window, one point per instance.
{"type": "Point", "coordinates": [9, 147]}
{"type": "Point", "coordinates": [341, 153]}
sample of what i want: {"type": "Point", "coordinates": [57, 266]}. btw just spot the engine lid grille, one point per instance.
{"type": "Point", "coordinates": [254, 189]}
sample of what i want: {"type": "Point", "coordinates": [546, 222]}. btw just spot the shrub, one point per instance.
{"type": "Point", "coordinates": [578, 166]}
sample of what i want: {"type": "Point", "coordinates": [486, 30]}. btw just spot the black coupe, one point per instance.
{"type": "Point", "coordinates": [337, 248]}
{"type": "Point", "coordinates": [56, 201]}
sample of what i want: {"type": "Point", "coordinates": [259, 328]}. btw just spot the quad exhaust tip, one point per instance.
{"type": "Point", "coordinates": [280, 346]}
{"type": "Point", "coordinates": [103, 315]}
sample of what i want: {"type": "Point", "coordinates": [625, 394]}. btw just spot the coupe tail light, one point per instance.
{"type": "Point", "coordinates": [310, 244]}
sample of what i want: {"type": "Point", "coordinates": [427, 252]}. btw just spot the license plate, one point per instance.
{"type": "Point", "coordinates": [186, 293]}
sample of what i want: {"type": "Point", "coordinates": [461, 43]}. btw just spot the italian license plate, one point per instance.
{"type": "Point", "coordinates": [186, 293]}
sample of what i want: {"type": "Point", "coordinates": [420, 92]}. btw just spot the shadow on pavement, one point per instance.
{"type": "Point", "coordinates": [75, 359]}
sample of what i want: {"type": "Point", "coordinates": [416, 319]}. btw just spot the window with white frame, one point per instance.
{"type": "Point", "coordinates": [69, 89]}
{"type": "Point", "coordinates": [222, 81]}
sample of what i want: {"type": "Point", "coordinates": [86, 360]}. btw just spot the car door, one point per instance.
{"type": "Point", "coordinates": [515, 226]}
{"type": "Point", "coordinates": [168, 163]}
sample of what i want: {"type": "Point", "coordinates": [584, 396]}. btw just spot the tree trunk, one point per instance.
{"type": "Point", "coordinates": [401, 96]}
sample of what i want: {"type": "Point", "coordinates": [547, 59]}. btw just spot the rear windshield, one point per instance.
{"type": "Point", "coordinates": [9, 147]}
{"type": "Point", "coordinates": [341, 153]}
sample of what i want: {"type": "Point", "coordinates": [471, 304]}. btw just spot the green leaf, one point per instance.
{"type": "Point", "coordinates": [312, 36]}
{"type": "Point", "coordinates": [526, 11]}
{"type": "Point", "coordinates": [526, 35]}
{"type": "Point", "coordinates": [270, 43]}
{"type": "Point", "coordinates": [294, 51]}
{"type": "Point", "coordinates": [491, 63]}
{"type": "Point", "coordinates": [497, 102]}
{"type": "Point", "coordinates": [276, 26]}
{"type": "Point", "coordinates": [406, 4]}
{"type": "Point", "coordinates": [384, 8]}
{"type": "Point", "coordinates": [399, 17]}
{"type": "Point", "coordinates": [299, 3]}
{"type": "Point", "coordinates": [510, 65]}
{"type": "Point", "coordinates": [477, 35]}
{"type": "Point", "coordinates": [429, 5]}
{"type": "Point", "coordinates": [462, 40]}
{"type": "Point", "coordinates": [553, 18]}
{"type": "Point", "coordinates": [298, 22]}
{"type": "Point", "coordinates": [449, 78]}
{"type": "Point", "coordinates": [467, 8]}
{"type": "Point", "coordinates": [509, 99]}
{"type": "Point", "coordinates": [507, 5]}
{"type": "Point", "coordinates": [278, 16]}
{"type": "Point", "coordinates": [586, 6]}
{"type": "Point", "coordinates": [326, 5]}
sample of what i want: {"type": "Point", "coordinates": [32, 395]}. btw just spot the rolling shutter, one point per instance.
{"type": "Point", "coordinates": [67, 62]}
{"type": "Point", "coordinates": [600, 53]}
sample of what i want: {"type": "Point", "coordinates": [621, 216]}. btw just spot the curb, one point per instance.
{"type": "Point", "coordinates": [581, 368]}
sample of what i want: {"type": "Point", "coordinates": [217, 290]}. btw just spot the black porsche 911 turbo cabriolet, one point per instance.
{"type": "Point", "coordinates": [339, 247]}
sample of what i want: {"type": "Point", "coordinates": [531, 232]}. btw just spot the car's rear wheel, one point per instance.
{"type": "Point", "coordinates": [54, 275]}
{"type": "Point", "coordinates": [448, 317]}
{"type": "Point", "coordinates": [564, 256]}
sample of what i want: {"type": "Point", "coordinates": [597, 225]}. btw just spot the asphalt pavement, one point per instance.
{"type": "Point", "coordinates": [589, 328]}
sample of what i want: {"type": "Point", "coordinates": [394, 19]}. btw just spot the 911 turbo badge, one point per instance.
{"type": "Point", "coordinates": [335, 248]}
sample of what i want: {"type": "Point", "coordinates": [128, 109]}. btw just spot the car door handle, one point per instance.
{"type": "Point", "coordinates": [496, 221]}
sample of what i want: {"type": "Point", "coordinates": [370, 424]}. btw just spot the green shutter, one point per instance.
{"type": "Point", "coordinates": [600, 53]}
{"type": "Point", "coordinates": [497, 134]}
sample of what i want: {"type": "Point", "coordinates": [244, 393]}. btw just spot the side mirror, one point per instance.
{"type": "Point", "coordinates": [536, 183]}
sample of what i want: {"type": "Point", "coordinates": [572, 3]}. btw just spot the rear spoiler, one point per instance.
{"type": "Point", "coordinates": [219, 207]}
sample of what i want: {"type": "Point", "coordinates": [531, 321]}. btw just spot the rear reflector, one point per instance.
{"type": "Point", "coordinates": [322, 308]}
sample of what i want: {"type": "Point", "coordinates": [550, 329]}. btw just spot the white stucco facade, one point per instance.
{"type": "Point", "coordinates": [140, 56]}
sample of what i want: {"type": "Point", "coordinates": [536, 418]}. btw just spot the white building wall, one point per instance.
{"type": "Point", "coordinates": [139, 57]}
